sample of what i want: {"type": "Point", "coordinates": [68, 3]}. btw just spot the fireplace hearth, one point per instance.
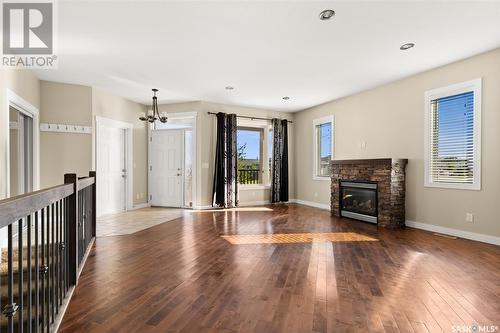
{"type": "Point", "coordinates": [358, 200]}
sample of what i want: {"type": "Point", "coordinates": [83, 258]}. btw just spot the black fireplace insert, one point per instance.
{"type": "Point", "coordinates": [359, 200]}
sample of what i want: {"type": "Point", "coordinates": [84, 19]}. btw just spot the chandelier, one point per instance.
{"type": "Point", "coordinates": [154, 114]}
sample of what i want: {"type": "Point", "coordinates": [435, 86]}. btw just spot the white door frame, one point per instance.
{"type": "Point", "coordinates": [129, 180]}
{"type": "Point", "coordinates": [25, 107]}
{"type": "Point", "coordinates": [181, 115]}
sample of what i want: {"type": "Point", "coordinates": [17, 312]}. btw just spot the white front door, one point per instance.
{"type": "Point", "coordinates": [112, 173]}
{"type": "Point", "coordinates": [166, 169]}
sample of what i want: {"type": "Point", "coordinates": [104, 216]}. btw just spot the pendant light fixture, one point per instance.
{"type": "Point", "coordinates": [154, 113]}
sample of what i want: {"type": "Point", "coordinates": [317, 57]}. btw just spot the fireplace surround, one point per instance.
{"type": "Point", "coordinates": [389, 177]}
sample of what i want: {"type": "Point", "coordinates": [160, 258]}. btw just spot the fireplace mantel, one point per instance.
{"type": "Point", "coordinates": [372, 161]}
{"type": "Point", "coordinates": [388, 173]}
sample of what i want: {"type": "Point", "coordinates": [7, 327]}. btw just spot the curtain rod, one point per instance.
{"type": "Point", "coordinates": [248, 117]}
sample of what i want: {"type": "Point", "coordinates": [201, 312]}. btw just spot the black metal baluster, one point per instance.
{"type": "Point", "coordinates": [52, 269]}
{"type": "Point", "coordinates": [59, 254]}
{"type": "Point", "coordinates": [47, 272]}
{"type": "Point", "coordinates": [43, 267]}
{"type": "Point", "coordinates": [66, 247]}
{"type": "Point", "coordinates": [56, 266]}
{"type": "Point", "coordinates": [63, 225]}
{"type": "Point", "coordinates": [20, 300]}
{"type": "Point", "coordinates": [28, 271]}
{"type": "Point", "coordinates": [37, 272]}
{"type": "Point", "coordinates": [10, 308]}
{"type": "Point", "coordinates": [61, 237]}
{"type": "Point", "coordinates": [80, 224]}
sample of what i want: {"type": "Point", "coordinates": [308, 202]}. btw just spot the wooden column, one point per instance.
{"type": "Point", "coordinates": [72, 227]}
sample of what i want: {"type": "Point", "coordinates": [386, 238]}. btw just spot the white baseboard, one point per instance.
{"type": "Point", "coordinates": [139, 206]}
{"type": "Point", "coordinates": [254, 203]}
{"type": "Point", "coordinates": [202, 207]}
{"type": "Point", "coordinates": [310, 203]}
{"type": "Point", "coordinates": [454, 232]}
{"type": "Point", "coordinates": [240, 204]}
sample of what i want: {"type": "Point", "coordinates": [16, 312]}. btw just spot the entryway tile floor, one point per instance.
{"type": "Point", "coordinates": [130, 222]}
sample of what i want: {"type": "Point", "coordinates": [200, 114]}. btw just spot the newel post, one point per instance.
{"type": "Point", "coordinates": [94, 201]}
{"type": "Point", "coordinates": [72, 227]}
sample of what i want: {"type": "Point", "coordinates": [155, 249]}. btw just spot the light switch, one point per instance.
{"type": "Point", "coordinates": [204, 165]}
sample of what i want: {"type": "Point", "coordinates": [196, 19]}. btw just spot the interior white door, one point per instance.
{"type": "Point", "coordinates": [111, 168]}
{"type": "Point", "coordinates": [166, 168]}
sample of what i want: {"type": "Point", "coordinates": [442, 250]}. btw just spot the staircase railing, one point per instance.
{"type": "Point", "coordinates": [55, 229]}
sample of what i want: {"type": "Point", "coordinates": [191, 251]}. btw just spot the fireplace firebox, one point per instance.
{"type": "Point", "coordinates": [359, 200]}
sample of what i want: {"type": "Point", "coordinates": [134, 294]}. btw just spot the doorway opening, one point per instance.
{"type": "Point", "coordinates": [113, 166]}
{"type": "Point", "coordinates": [172, 162]}
{"type": "Point", "coordinates": [20, 152]}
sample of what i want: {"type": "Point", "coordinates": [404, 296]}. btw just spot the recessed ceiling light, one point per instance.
{"type": "Point", "coordinates": [229, 88]}
{"type": "Point", "coordinates": [326, 14]}
{"type": "Point", "coordinates": [286, 98]}
{"type": "Point", "coordinates": [407, 46]}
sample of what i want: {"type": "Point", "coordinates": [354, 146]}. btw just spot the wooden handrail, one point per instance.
{"type": "Point", "coordinates": [85, 182]}
{"type": "Point", "coordinates": [15, 208]}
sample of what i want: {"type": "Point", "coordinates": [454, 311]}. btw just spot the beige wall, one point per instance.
{"type": "Point", "coordinates": [391, 121]}
{"type": "Point", "coordinates": [117, 108]}
{"type": "Point", "coordinates": [206, 146]}
{"type": "Point", "coordinates": [26, 85]}
{"type": "Point", "coordinates": [62, 153]}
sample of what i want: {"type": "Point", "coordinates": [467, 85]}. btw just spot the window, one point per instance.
{"type": "Point", "coordinates": [250, 161]}
{"type": "Point", "coordinates": [323, 147]}
{"type": "Point", "coordinates": [453, 136]}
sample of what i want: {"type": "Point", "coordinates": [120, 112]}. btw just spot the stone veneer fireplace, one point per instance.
{"type": "Point", "coordinates": [385, 177]}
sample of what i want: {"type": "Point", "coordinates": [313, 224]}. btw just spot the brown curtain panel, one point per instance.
{"type": "Point", "coordinates": [279, 173]}
{"type": "Point", "coordinates": [225, 188]}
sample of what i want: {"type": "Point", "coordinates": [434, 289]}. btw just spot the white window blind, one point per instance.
{"type": "Point", "coordinates": [453, 136]}
{"type": "Point", "coordinates": [452, 142]}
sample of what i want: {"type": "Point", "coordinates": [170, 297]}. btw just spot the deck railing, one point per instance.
{"type": "Point", "coordinates": [53, 229]}
{"type": "Point", "coordinates": [248, 176]}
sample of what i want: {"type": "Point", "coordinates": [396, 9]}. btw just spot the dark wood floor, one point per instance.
{"type": "Point", "coordinates": [182, 276]}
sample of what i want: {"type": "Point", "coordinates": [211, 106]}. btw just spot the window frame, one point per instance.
{"type": "Point", "coordinates": [474, 86]}
{"type": "Point", "coordinates": [316, 122]}
{"type": "Point", "coordinates": [263, 126]}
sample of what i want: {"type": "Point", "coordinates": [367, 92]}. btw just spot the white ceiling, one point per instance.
{"type": "Point", "coordinates": [265, 49]}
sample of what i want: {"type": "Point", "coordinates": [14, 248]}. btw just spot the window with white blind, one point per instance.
{"type": "Point", "coordinates": [453, 136]}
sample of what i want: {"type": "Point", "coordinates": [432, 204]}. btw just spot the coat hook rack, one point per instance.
{"type": "Point", "coordinates": [65, 128]}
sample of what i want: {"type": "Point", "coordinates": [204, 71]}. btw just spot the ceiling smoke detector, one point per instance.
{"type": "Point", "coordinates": [407, 46]}
{"type": "Point", "coordinates": [326, 14]}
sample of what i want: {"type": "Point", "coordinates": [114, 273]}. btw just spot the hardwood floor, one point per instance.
{"type": "Point", "coordinates": [182, 276]}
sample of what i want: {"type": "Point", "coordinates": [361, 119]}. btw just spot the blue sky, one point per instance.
{"type": "Point", "coordinates": [455, 123]}
{"type": "Point", "coordinates": [326, 139]}
{"type": "Point", "coordinates": [251, 138]}
{"type": "Point", "coordinates": [253, 143]}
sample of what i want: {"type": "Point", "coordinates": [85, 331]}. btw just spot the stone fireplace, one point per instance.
{"type": "Point", "coordinates": [371, 190]}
